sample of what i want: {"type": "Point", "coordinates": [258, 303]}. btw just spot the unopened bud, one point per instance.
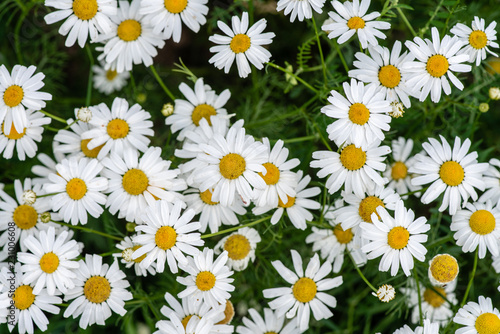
{"type": "Point", "coordinates": [167, 110]}
{"type": "Point", "coordinates": [385, 293]}
{"type": "Point", "coordinates": [29, 197]}
{"type": "Point", "coordinates": [484, 107]}
{"type": "Point", "coordinates": [494, 93]}
{"type": "Point", "coordinates": [130, 227]}
{"type": "Point", "coordinates": [397, 109]}
{"type": "Point", "coordinates": [45, 217]}
{"type": "Point", "coordinates": [84, 114]}
{"type": "Point", "coordinates": [443, 269]}
{"type": "Point", "coordinates": [141, 98]}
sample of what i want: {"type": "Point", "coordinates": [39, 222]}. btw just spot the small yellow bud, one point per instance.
{"type": "Point", "coordinates": [167, 110]}
{"type": "Point", "coordinates": [484, 107]}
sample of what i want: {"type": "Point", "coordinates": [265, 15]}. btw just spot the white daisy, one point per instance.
{"type": "Point", "coordinates": [128, 247]}
{"type": "Point", "coordinates": [135, 183]}
{"type": "Point", "coordinates": [194, 325]}
{"type": "Point", "coordinates": [435, 59]}
{"type": "Point", "coordinates": [428, 328]}
{"type": "Point", "coordinates": [354, 167]}
{"type": "Point", "coordinates": [476, 226]}
{"type": "Point", "coordinates": [71, 144]}
{"type": "Point", "coordinates": [47, 167]}
{"type": "Point", "coordinates": [397, 172]}
{"type": "Point", "coordinates": [479, 317]}
{"type": "Point", "coordinates": [306, 292]}
{"type": "Point", "coordinates": [476, 40]}
{"type": "Point", "coordinates": [242, 43]}
{"type": "Point", "coordinates": [109, 81]}
{"type": "Point", "coordinates": [208, 279]}
{"type": "Point", "coordinates": [19, 90]}
{"type": "Point", "coordinates": [271, 323]}
{"type": "Point", "coordinates": [352, 19]}
{"type": "Point", "coordinates": [24, 141]}
{"type": "Point", "coordinates": [443, 270]}
{"type": "Point", "coordinates": [78, 189]}
{"type": "Point", "coordinates": [202, 102]}
{"type": "Point", "coordinates": [166, 16]}
{"type": "Point", "coordinates": [385, 69]}
{"type": "Point", "coordinates": [455, 173]}
{"type": "Point", "coordinates": [398, 240]}
{"type": "Point", "coordinates": [119, 129]}
{"type": "Point", "coordinates": [296, 207]}
{"type": "Point", "coordinates": [240, 247]}
{"type": "Point", "coordinates": [491, 182]}
{"type": "Point", "coordinates": [51, 261]}
{"type": "Point", "coordinates": [99, 289]}
{"type": "Point", "coordinates": [300, 9]}
{"type": "Point", "coordinates": [131, 40]}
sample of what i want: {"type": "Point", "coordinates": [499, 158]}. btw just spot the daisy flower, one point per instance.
{"type": "Point", "coordinates": [128, 247]}
{"type": "Point", "coordinates": [208, 279]}
{"type": "Point", "coordinates": [351, 18]}
{"type": "Point", "coordinates": [300, 9]}
{"type": "Point", "coordinates": [71, 144]}
{"type": "Point", "coordinates": [136, 183]}
{"type": "Point", "coordinates": [202, 102]}
{"type": "Point", "coordinates": [491, 182]}
{"type": "Point", "coordinates": [166, 236]}
{"type": "Point", "coordinates": [23, 141]}
{"type": "Point", "coordinates": [296, 207]}
{"type": "Point", "coordinates": [78, 189]}
{"type": "Point", "coordinates": [355, 167]}
{"type": "Point", "coordinates": [306, 292]}
{"type": "Point", "coordinates": [271, 323]}
{"type": "Point", "coordinates": [398, 240]}
{"type": "Point", "coordinates": [476, 40]}
{"type": "Point", "coordinates": [131, 39]}
{"type": "Point", "coordinates": [443, 269]}
{"type": "Point", "coordinates": [479, 317]}
{"type": "Point", "coordinates": [108, 81]}
{"type": "Point", "coordinates": [118, 129]}
{"type": "Point", "coordinates": [99, 289]}
{"type": "Point", "coordinates": [50, 263]}
{"type": "Point", "coordinates": [240, 247]}
{"type": "Point", "coordinates": [384, 68]}
{"type": "Point", "coordinates": [166, 16]}
{"type": "Point", "coordinates": [428, 328]}
{"type": "Point", "coordinates": [48, 165]}
{"type": "Point", "coordinates": [192, 326]}
{"type": "Point", "coordinates": [455, 173]}
{"type": "Point", "coordinates": [242, 43]}
{"type": "Point", "coordinates": [397, 172]}
{"type": "Point", "coordinates": [20, 92]}
{"type": "Point", "coordinates": [435, 59]}
{"type": "Point", "coordinates": [476, 226]}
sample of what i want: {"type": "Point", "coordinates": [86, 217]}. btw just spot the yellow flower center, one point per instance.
{"type": "Point", "coordinates": [478, 39]}
{"type": "Point", "coordinates": [343, 237]}
{"type": "Point", "coordinates": [289, 204]}
{"type": "Point", "coordinates": [25, 216]}
{"type": "Point", "coordinates": [186, 320]}
{"type": "Point", "coordinates": [451, 173]}
{"type": "Point", "coordinates": [228, 314]}
{"type": "Point", "coordinates": [111, 74]}
{"type": "Point", "coordinates": [482, 222]}
{"type": "Point", "coordinates": [399, 170]}
{"type": "Point", "coordinates": [237, 247]}
{"type": "Point", "coordinates": [240, 43]}
{"type": "Point", "coordinates": [437, 65]}
{"type": "Point", "coordinates": [49, 262]}
{"type": "Point", "coordinates": [359, 113]}
{"type": "Point", "coordinates": [135, 181]}
{"type": "Point", "coordinates": [369, 205]}
{"type": "Point", "coordinates": [165, 237]}
{"type": "Point", "coordinates": [273, 173]}
{"type": "Point", "coordinates": [444, 268]}
{"type": "Point", "coordinates": [175, 6]}
{"type": "Point", "coordinates": [232, 166]}
{"type": "Point", "coordinates": [206, 197]}
{"type": "Point", "coordinates": [97, 289]}
{"type": "Point", "coordinates": [389, 76]}
{"type": "Point", "coordinates": [203, 111]}
{"type": "Point", "coordinates": [140, 258]}
{"type": "Point", "coordinates": [304, 290]}
{"type": "Point", "coordinates": [117, 128]}
{"type": "Point", "coordinates": [85, 9]}
{"type": "Point", "coordinates": [13, 96]}
{"type": "Point", "coordinates": [356, 23]}
{"type": "Point", "coordinates": [398, 237]}
{"type": "Point", "coordinates": [76, 189]}
{"type": "Point", "coordinates": [90, 153]}
{"type": "Point", "coordinates": [205, 280]}
{"type": "Point", "coordinates": [129, 30]}
{"type": "Point", "coordinates": [487, 323]}
{"type": "Point", "coordinates": [14, 135]}
{"type": "Point", "coordinates": [270, 333]}
{"type": "Point", "coordinates": [432, 298]}
{"type": "Point", "coordinates": [23, 297]}
{"type": "Point", "coordinates": [352, 158]}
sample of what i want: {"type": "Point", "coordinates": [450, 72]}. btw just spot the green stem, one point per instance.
{"type": "Point", "coordinates": [59, 119]}
{"type": "Point", "coordinates": [293, 75]}
{"type": "Point", "coordinates": [88, 230]}
{"type": "Point", "coordinates": [235, 228]}
{"type": "Point", "coordinates": [91, 74]}
{"type": "Point", "coordinates": [471, 280]}
{"type": "Point", "coordinates": [414, 192]}
{"type": "Point", "coordinates": [420, 315]}
{"type": "Point", "coordinates": [342, 59]}
{"type": "Point", "coordinates": [299, 139]}
{"type": "Point", "coordinates": [162, 84]}
{"type": "Point", "coordinates": [323, 64]}
{"type": "Point", "coordinates": [405, 20]}
{"type": "Point", "coordinates": [360, 273]}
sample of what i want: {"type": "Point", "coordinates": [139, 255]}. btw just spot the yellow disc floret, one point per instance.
{"type": "Point", "coordinates": [13, 96]}
{"type": "Point", "coordinates": [14, 135]}
{"type": "Point", "coordinates": [97, 289]}
{"type": "Point", "coordinates": [206, 197]}
{"type": "Point", "coordinates": [369, 205]}
{"type": "Point", "coordinates": [240, 43]}
{"type": "Point", "coordinates": [478, 39]}
{"type": "Point", "coordinates": [304, 290]}
{"type": "Point", "coordinates": [356, 23]}
{"type": "Point", "coordinates": [343, 237]}
{"type": "Point", "coordinates": [389, 76]}
{"type": "Point", "coordinates": [185, 320]}
{"type": "Point", "coordinates": [232, 166]}
{"type": "Point", "coordinates": [228, 313]}
{"type": "Point", "coordinates": [289, 204]}
{"type": "Point", "coordinates": [203, 111]}
{"type": "Point", "coordinates": [117, 128]}
{"type": "Point", "coordinates": [237, 247]}
{"type": "Point", "coordinates": [175, 6]}
{"type": "Point", "coordinates": [129, 30]}
{"type": "Point", "coordinates": [205, 280]}
{"type": "Point", "coordinates": [25, 216]}
{"type": "Point", "coordinates": [85, 9]}
{"type": "Point", "coordinates": [437, 65]}
{"type": "Point", "coordinates": [398, 237]}
{"type": "Point", "coordinates": [434, 299]}
{"type": "Point", "coordinates": [49, 262]}
{"type": "Point", "coordinates": [76, 188]}
{"type": "Point", "coordinates": [399, 171]}
{"type": "Point", "coordinates": [443, 268]}
{"type": "Point", "coordinates": [165, 237]}
{"type": "Point", "coordinates": [273, 173]}
{"type": "Point", "coordinates": [452, 173]}
{"type": "Point", "coordinates": [482, 222]}
{"type": "Point", "coordinates": [23, 297]}
{"type": "Point", "coordinates": [135, 181]}
{"type": "Point", "coordinates": [352, 158]}
{"type": "Point", "coordinates": [111, 74]}
{"type": "Point", "coordinates": [359, 113]}
{"type": "Point", "coordinates": [487, 323]}
{"type": "Point", "coordinates": [93, 153]}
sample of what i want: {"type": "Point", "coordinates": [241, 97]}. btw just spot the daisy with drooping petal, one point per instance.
{"type": "Point", "coordinates": [306, 293]}
{"type": "Point", "coordinates": [479, 317]}
{"type": "Point", "coordinates": [491, 183]}
{"type": "Point", "coordinates": [109, 81]}
{"type": "Point", "coordinates": [300, 9]}
{"type": "Point", "coordinates": [271, 323]}
{"type": "Point", "coordinates": [453, 172]}
{"type": "Point", "coordinates": [78, 189]}
{"type": "Point", "coordinates": [397, 172]}
{"type": "Point", "coordinates": [398, 240]}
{"type": "Point", "coordinates": [384, 68]}
{"type": "Point", "coordinates": [476, 40]}
{"type": "Point", "coordinates": [240, 247]}
{"type": "Point", "coordinates": [351, 18]}
{"type": "Point", "coordinates": [242, 43]}
{"type": "Point", "coordinates": [435, 59]}
{"type": "Point", "coordinates": [19, 91]}
{"type": "Point", "coordinates": [118, 129]}
{"type": "Point", "coordinates": [128, 247]}
{"type": "Point", "coordinates": [208, 279]}
{"type": "Point", "coordinates": [167, 16]}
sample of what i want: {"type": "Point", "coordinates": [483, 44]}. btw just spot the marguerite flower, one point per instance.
{"type": "Point", "coordinates": [479, 317]}
{"type": "Point", "coordinates": [397, 172]}
{"type": "Point", "coordinates": [428, 328]}
{"type": "Point", "coordinates": [300, 9]}
{"type": "Point", "coordinates": [70, 142]}
{"type": "Point", "coordinates": [109, 81]}
{"type": "Point", "coordinates": [443, 269]}
{"type": "Point", "coordinates": [192, 325]}
{"type": "Point", "coordinates": [240, 247]}
{"type": "Point", "coordinates": [128, 247]}
{"type": "Point", "coordinates": [242, 43]}
{"type": "Point", "coordinates": [271, 323]}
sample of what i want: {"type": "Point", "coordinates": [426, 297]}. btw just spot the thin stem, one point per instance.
{"type": "Point", "coordinates": [471, 280]}
{"type": "Point", "coordinates": [420, 315]}
{"type": "Point", "coordinates": [91, 74]}
{"type": "Point", "coordinates": [293, 75]}
{"type": "Point", "coordinates": [88, 230]}
{"type": "Point", "coordinates": [323, 64]}
{"type": "Point", "coordinates": [405, 20]}
{"type": "Point", "coordinates": [342, 59]}
{"type": "Point", "coordinates": [235, 228]}
{"type": "Point", "coordinates": [360, 273]}
{"type": "Point", "coordinates": [162, 84]}
{"type": "Point", "coordinates": [59, 119]}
